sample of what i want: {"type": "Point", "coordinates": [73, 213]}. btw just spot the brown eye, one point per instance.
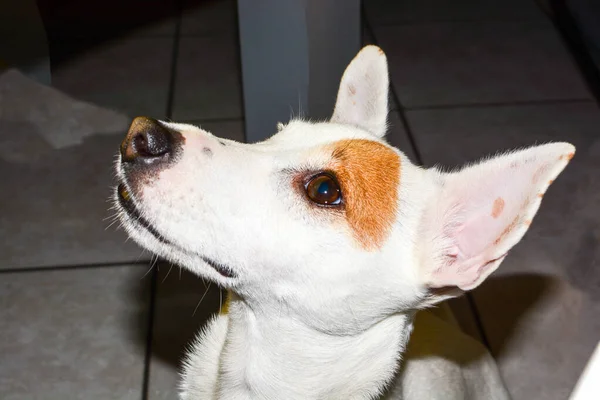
{"type": "Point", "coordinates": [323, 189]}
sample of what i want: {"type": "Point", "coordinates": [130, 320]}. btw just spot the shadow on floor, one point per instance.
{"type": "Point", "coordinates": [518, 294]}
{"type": "Point", "coordinates": [183, 304]}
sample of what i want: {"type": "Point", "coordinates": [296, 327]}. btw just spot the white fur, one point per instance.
{"type": "Point", "coordinates": [313, 315]}
{"type": "Point", "coordinates": [363, 94]}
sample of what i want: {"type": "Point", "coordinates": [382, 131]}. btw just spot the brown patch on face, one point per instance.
{"type": "Point", "coordinates": [497, 207]}
{"type": "Point", "coordinates": [527, 222]}
{"type": "Point", "coordinates": [369, 175]}
{"type": "Point", "coordinates": [551, 181]}
{"type": "Point", "coordinates": [381, 52]}
{"type": "Point", "coordinates": [351, 90]}
{"type": "Point", "coordinates": [540, 195]}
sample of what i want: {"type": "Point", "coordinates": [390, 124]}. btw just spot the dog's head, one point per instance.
{"type": "Point", "coordinates": [327, 220]}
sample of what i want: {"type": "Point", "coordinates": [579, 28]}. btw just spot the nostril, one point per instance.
{"type": "Point", "coordinates": [148, 140]}
{"type": "Point", "coordinates": [141, 145]}
{"type": "Point", "coordinates": [151, 143]}
{"type": "Point", "coordinates": [139, 142]}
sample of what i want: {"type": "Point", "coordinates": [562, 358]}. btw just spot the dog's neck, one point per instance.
{"type": "Point", "coordinates": [273, 355]}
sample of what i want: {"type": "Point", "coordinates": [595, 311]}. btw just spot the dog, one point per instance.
{"type": "Point", "coordinates": [327, 239]}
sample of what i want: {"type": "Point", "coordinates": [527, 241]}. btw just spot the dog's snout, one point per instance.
{"type": "Point", "coordinates": [146, 140]}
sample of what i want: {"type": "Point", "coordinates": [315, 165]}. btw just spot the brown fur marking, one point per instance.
{"type": "Point", "coordinates": [538, 174]}
{"type": "Point", "coordinates": [498, 207]}
{"type": "Point", "coordinates": [515, 221]}
{"type": "Point", "coordinates": [570, 156]}
{"type": "Point", "coordinates": [507, 230]}
{"type": "Point", "coordinates": [351, 90]}
{"type": "Point", "coordinates": [369, 175]}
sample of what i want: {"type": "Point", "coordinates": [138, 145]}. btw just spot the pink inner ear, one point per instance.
{"type": "Point", "coordinates": [487, 208]}
{"type": "Point", "coordinates": [490, 210]}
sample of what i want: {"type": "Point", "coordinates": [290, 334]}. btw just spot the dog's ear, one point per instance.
{"type": "Point", "coordinates": [481, 212]}
{"type": "Point", "coordinates": [363, 94]}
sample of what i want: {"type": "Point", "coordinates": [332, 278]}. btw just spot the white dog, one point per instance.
{"type": "Point", "coordinates": [327, 238]}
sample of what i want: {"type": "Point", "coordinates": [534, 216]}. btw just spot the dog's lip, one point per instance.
{"type": "Point", "coordinates": [130, 208]}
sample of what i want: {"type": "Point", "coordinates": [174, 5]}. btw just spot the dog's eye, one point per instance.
{"type": "Point", "coordinates": [323, 189]}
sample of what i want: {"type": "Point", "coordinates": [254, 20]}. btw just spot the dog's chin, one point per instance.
{"type": "Point", "coordinates": [147, 236]}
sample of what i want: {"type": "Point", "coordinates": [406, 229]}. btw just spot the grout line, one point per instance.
{"type": "Point", "coordinates": [574, 41]}
{"type": "Point", "coordinates": [501, 104]}
{"type": "Point", "coordinates": [125, 35]}
{"type": "Point", "coordinates": [419, 159]}
{"type": "Point", "coordinates": [213, 120]}
{"type": "Point", "coordinates": [131, 35]}
{"type": "Point", "coordinates": [478, 321]}
{"type": "Point", "coordinates": [72, 267]}
{"type": "Point", "coordinates": [149, 335]}
{"type": "Point", "coordinates": [411, 137]}
{"type": "Point", "coordinates": [540, 21]}
{"type": "Point", "coordinates": [209, 34]}
{"type": "Point", "coordinates": [174, 64]}
{"type": "Point", "coordinates": [399, 107]}
{"type": "Point", "coordinates": [154, 278]}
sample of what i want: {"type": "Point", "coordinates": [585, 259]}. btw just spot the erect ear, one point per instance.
{"type": "Point", "coordinates": [363, 94]}
{"type": "Point", "coordinates": [481, 212]}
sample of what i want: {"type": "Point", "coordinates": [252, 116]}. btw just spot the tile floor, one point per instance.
{"type": "Point", "coordinates": [84, 319]}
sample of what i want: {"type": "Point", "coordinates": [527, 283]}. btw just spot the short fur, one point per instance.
{"type": "Point", "coordinates": [322, 298]}
{"type": "Point", "coordinates": [371, 199]}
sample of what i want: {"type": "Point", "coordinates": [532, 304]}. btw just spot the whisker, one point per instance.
{"type": "Point", "coordinates": [140, 256]}
{"type": "Point", "coordinates": [111, 224]}
{"type": "Point", "coordinates": [300, 111]}
{"type": "Point", "coordinates": [198, 305]}
{"type": "Point", "coordinates": [167, 275]}
{"type": "Point", "coordinates": [152, 264]}
{"type": "Point", "coordinates": [114, 216]}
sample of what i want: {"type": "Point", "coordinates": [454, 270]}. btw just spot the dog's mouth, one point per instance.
{"type": "Point", "coordinates": [129, 207]}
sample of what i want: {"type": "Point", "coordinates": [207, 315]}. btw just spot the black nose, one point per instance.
{"type": "Point", "coordinates": [146, 140]}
